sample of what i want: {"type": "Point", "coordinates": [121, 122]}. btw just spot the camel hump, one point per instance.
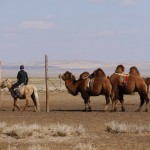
{"type": "Point", "coordinates": [134, 71]}
{"type": "Point", "coordinates": [84, 75]}
{"type": "Point", "coordinates": [119, 69]}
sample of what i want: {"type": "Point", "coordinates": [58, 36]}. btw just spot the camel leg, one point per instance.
{"type": "Point", "coordinates": [15, 105]}
{"type": "Point", "coordinates": [107, 102]}
{"type": "Point", "coordinates": [86, 98]}
{"type": "Point", "coordinates": [114, 104]}
{"type": "Point", "coordinates": [87, 104]}
{"type": "Point", "coordinates": [85, 109]}
{"type": "Point", "coordinates": [114, 101]}
{"type": "Point", "coordinates": [122, 104]}
{"type": "Point", "coordinates": [147, 102]}
{"type": "Point", "coordinates": [141, 103]}
{"type": "Point", "coordinates": [120, 97]}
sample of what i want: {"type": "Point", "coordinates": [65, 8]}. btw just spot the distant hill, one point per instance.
{"type": "Point", "coordinates": [77, 67]}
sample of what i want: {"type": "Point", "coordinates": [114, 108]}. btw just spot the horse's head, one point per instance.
{"type": "Point", "coordinates": [134, 70]}
{"type": "Point", "coordinates": [67, 76]}
{"type": "Point", "coordinates": [6, 83]}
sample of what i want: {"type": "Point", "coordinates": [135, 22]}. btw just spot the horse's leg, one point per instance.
{"type": "Point", "coordinates": [142, 98]}
{"type": "Point", "coordinates": [35, 99]}
{"type": "Point", "coordinates": [107, 97]}
{"type": "Point", "coordinates": [15, 105]}
{"type": "Point", "coordinates": [27, 102]}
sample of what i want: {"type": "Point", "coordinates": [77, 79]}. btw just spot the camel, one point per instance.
{"type": "Point", "coordinates": [134, 83]}
{"type": "Point", "coordinates": [100, 86]}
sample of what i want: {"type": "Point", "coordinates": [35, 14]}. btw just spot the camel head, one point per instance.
{"type": "Point", "coordinates": [67, 76]}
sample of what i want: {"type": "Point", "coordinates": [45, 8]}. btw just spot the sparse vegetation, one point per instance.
{"type": "Point", "coordinates": [126, 128]}
{"type": "Point", "coordinates": [38, 147]}
{"type": "Point", "coordinates": [21, 131]}
{"type": "Point", "coordinates": [2, 126]}
{"type": "Point", "coordinates": [64, 130]}
{"type": "Point", "coordinates": [84, 146]}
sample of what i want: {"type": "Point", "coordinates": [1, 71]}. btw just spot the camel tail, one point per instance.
{"type": "Point", "coordinates": [36, 98]}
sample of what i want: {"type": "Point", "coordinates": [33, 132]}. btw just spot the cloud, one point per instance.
{"type": "Point", "coordinates": [37, 25]}
{"type": "Point", "coordinates": [119, 2]}
{"type": "Point", "coordinates": [127, 2]}
{"type": "Point", "coordinates": [111, 34]}
{"type": "Point", "coordinates": [107, 33]}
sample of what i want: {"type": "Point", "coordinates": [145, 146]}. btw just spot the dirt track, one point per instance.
{"type": "Point", "coordinates": [67, 109]}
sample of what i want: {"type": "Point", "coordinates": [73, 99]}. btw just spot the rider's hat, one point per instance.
{"type": "Point", "coordinates": [22, 67]}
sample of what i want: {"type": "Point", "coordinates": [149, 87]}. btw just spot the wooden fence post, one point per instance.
{"type": "Point", "coordinates": [46, 81]}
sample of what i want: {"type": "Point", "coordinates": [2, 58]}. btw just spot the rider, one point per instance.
{"type": "Point", "coordinates": [22, 77]}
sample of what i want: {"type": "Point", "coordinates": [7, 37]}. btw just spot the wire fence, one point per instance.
{"type": "Point", "coordinates": [36, 73]}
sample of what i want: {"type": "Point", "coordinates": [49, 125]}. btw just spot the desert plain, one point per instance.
{"type": "Point", "coordinates": [67, 127]}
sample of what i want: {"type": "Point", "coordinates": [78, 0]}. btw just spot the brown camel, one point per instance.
{"type": "Point", "coordinates": [121, 86]}
{"type": "Point", "coordinates": [100, 86]}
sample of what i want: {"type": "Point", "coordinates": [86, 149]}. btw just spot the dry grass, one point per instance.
{"type": "Point", "coordinates": [38, 147]}
{"type": "Point", "coordinates": [32, 147]}
{"type": "Point", "coordinates": [84, 146]}
{"type": "Point", "coordinates": [79, 146]}
{"type": "Point", "coordinates": [65, 130]}
{"type": "Point", "coordinates": [127, 128]}
{"type": "Point", "coordinates": [21, 131]}
{"type": "Point", "coordinates": [2, 126]}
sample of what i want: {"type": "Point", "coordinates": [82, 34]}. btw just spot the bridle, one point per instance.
{"type": "Point", "coordinates": [5, 83]}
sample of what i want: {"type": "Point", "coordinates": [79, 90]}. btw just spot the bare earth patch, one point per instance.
{"type": "Point", "coordinates": [66, 126]}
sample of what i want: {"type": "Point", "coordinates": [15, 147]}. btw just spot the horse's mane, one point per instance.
{"type": "Point", "coordinates": [134, 70]}
{"type": "Point", "coordinates": [119, 69]}
{"type": "Point", "coordinates": [100, 72]}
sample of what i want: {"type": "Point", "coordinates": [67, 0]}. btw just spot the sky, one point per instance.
{"type": "Point", "coordinates": [97, 30]}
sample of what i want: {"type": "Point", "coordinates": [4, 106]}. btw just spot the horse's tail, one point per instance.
{"type": "Point", "coordinates": [36, 98]}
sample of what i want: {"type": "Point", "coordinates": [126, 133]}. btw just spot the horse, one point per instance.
{"type": "Point", "coordinates": [26, 92]}
{"type": "Point", "coordinates": [100, 86]}
{"type": "Point", "coordinates": [134, 83]}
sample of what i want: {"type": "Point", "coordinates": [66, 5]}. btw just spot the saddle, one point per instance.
{"type": "Point", "coordinates": [17, 92]}
{"type": "Point", "coordinates": [123, 79]}
{"type": "Point", "coordinates": [89, 84]}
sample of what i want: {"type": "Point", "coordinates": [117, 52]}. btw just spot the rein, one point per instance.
{"type": "Point", "coordinates": [8, 81]}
